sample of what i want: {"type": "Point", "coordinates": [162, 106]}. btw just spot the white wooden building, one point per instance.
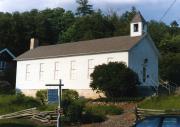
{"type": "Point", "coordinates": [74, 62]}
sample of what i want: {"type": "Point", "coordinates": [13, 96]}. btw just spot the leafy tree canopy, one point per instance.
{"type": "Point", "coordinates": [170, 68]}
{"type": "Point", "coordinates": [115, 80]}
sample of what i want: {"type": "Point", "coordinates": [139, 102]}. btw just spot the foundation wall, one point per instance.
{"type": "Point", "coordinates": [86, 93]}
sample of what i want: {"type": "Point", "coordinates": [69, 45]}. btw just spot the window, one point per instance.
{"type": "Point", "coordinates": [145, 69]}
{"type": "Point", "coordinates": [90, 67]}
{"type": "Point", "coordinates": [73, 70]}
{"type": "Point", "coordinates": [56, 70]}
{"type": "Point", "coordinates": [136, 27]}
{"type": "Point", "coordinates": [41, 71]}
{"type": "Point", "coordinates": [110, 59]}
{"type": "Point", "coordinates": [27, 72]}
{"type": "Point", "coordinates": [2, 65]}
{"type": "Point", "coordinates": [144, 74]}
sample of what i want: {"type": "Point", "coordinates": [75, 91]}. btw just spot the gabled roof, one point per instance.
{"type": "Point", "coordinates": [6, 50]}
{"type": "Point", "coordinates": [138, 18]}
{"type": "Point", "coordinates": [105, 45]}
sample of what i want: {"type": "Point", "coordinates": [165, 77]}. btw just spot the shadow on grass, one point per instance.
{"type": "Point", "coordinates": [15, 125]}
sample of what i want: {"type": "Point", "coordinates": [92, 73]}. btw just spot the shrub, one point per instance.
{"type": "Point", "coordinates": [90, 117]}
{"type": "Point", "coordinates": [104, 109]}
{"type": "Point", "coordinates": [97, 113]}
{"type": "Point", "coordinates": [70, 95]}
{"type": "Point", "coordinates": [115, 80]}
{"type": "Point", "coordinates": [41, 95]}
{"type": "Point", "coordinates": [120, 99]}
{"type": "Point", "coordinates": [74, 111]}
{"type": "Point", "coordinates": [72, 106]}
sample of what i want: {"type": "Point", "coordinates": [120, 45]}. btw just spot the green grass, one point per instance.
{"type": "Point", "coordinates": [104, 109]}
{"type": "Point", "coordinates": [49, 107]}
{"type": "Point", "coordinates": [13, 103]}
{"type": "Point", "coordinates": [164, 103]}
{"type": "Point", "coordinates": [20, 123]}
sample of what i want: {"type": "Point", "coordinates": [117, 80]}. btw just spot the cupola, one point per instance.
{"type": "Point", "coordinates": [138, 25]}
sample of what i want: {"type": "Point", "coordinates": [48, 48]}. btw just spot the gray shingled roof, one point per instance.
{"type": "Point", "coordinates": [105, 45]}
{"type": "Point", "coordinates": [138, 18]}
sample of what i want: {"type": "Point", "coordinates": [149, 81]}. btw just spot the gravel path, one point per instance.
{"type": "Point", "coordinates": [124, 120]}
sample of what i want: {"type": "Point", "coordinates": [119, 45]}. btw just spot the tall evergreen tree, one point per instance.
{"type": "Point", "coordinates": [84, 8]}
{"type": "Point", "coordinates": [174, 28]}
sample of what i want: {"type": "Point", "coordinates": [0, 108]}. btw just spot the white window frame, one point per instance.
{"type": "Point", "coordinates": [41, 71]}
{"type": "Point", "coordinates": [73, 70]}
{"type": "Point", "coordinates": [27, 76]}
{"type": "Point", "coordinates": [136, 27]}
{"type": "Point", "coordinates": [56, 71]}
{"type": "Point", "coordinates": [90, 67]}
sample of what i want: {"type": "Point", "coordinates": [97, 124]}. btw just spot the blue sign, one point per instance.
{"type": "Point", "coordinates": [52, 95]}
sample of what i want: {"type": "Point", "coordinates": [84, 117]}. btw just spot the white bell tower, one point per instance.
{"type": "Point", "coordinates": [138, 26]}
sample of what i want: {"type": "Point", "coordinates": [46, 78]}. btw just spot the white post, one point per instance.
{"type": "Point", "coordinates": [59, 102]}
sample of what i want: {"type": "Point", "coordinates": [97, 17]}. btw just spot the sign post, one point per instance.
{"type": "Point", "coordinates": [59, 107]}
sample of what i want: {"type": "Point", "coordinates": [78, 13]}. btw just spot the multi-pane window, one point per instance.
{"type": "Point", "coordinates": [41, 71]}
{"type": "Point", "coordinates": [73, 70]}
{"type": "Point", "coordinates": [27, 72]}
{"type": "Point", "coordinates": [56, 70]}
{"type": "Point", "coordinates": [90, 67]}
{"type": "Point", "coordinates": [110, 59]}
{"type": "Point", "coordinates": [2, 65]}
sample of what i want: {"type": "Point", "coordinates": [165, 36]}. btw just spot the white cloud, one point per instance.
{"type": "Point", "coordinates": [23, 5]}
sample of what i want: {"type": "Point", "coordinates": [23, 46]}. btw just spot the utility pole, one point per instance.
{"type": "Point", "coordinates": [59, 101]}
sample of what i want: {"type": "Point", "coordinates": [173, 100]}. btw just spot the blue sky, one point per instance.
{"type": "Point", "coordinates": [151, 9]}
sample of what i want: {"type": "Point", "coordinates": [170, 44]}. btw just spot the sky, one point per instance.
{"type": "Point", "coordinates": [150, 9]}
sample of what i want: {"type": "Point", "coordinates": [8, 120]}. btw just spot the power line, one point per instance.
{"type": "Point", "coordinates": [168, 10]}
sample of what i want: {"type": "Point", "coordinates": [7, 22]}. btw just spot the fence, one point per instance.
{"type": "Point", "coordinates": [33, 113]}
{"type": "Point", "coordinates": [142, 113]}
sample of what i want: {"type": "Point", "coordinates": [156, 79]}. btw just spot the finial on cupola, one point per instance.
{"type": "Point", "coordinates": [138, 25]}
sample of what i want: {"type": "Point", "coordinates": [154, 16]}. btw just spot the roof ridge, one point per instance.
{"type": "Point", "coordinates": [82, 41]}
{"type": "Point", "coordinates": [96, 46]}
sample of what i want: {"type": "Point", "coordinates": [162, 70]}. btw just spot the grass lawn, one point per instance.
{"type": "Point", "coordinates": [104, 109]}
{"type": "Point", "coordinates": [164, 103]}
{"type": "Point", "coordinates": [13, 103]}
{"type": "Point", "coordinates": [20, 123]}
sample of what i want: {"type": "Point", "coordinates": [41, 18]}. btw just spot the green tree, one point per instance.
{"type": "Point", "coordinates": [171, 45]}
{"type": "Point", "coordinates": [170, 68]}
{"type": "Point", "coordinates": [115, 80]}
{"type": "Point", "coordinates": [174, 28]}
{"type": "Point", "coordinates": [84, 8]}
{"type": "Point", "coordinates": [121, 23]}
{"type": "Point", "coordinates": [158, 31]}
{"type": "Point", "coordinates": [88, 27]}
